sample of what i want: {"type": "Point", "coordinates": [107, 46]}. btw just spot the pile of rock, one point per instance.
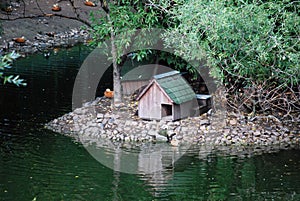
{"type": "Point", "coordinates": [241, 131]}
{"type": "Point", "coordinates": [98, 119]}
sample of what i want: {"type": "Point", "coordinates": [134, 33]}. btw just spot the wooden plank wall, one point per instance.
{"type": "Point", "coordinates": [128, 87]}
{"type": "Point", "coordinates": [150, 103]}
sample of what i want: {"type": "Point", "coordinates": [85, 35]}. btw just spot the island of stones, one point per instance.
{"type": "Point", "coordinates": [164, 108]}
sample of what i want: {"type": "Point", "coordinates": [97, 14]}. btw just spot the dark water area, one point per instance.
{"type": "Point", "coordinates": [37, 164]}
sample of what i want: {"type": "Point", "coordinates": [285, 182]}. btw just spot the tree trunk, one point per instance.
{"type": "Point", "coordinates": [116, 68]}
{"type": "Point", "coordinates": [116, 74]}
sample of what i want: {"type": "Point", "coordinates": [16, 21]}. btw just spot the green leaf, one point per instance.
{"type": "Point", "coordinates": [6, 62]}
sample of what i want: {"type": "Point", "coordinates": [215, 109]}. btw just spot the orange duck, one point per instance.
{"type": "Point", "coordinates": [89, 3]}
{"type": "Point", "coordinates": [20, 40]}
{"type": "Point", "coordinates": [108, 93]}
{"type": "Point", "coordinates": [55, 50]}
{"type": "Point", "coordinates": [56, 8]}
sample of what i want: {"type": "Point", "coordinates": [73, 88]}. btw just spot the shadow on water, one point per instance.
{"type": "Point", "coordinates": [37, 164]}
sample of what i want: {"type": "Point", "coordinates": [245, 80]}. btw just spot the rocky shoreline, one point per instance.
{"type": "Point", "coordinates": [98, 120]}
{"type": "Point", "coordinates": [44, 42]}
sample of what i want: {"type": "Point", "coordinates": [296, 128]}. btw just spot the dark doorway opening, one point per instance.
{"type": "Point", "coordinates": [166, 110]}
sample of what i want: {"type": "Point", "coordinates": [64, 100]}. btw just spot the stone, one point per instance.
{"type": "Point", "coordinates": [203, 127]}
{"type": "Point", "coordinates": [100, 116]}
{"type": "Point", "coordinates": [233, 122]}
{"type": "Point", "coordinates": [234, 131]}
{"type": "Point", "coordinates": [111, 120]}
{"type": "Point", "coordinates": [286, 130]}
{"type": "Point", "coordinates": [126, 128]}
{"type": "Point", "coordinates": [177, 129]}
{"type": "Point", "coordinates": [204, 122]}
{"type": "Point", "coordinates": [185, 129]}
{"type": "Point", "coordinates": [105, 121]}
{"type": "Point", "coordinates": [127, 123]}
{"type": "Point", "coordinates": [226, 131]}
{"type": "Point", "coordinates": [148, 126]}
{"type": "Point", "coordinates": [134, 123]}
{"type": "Point", "coordinates": [126, 139]}
{"type": "Point", "coordinates": [152, 132]}
{"type": "Point", "coordinates": [160, 138]}
{"type": "Point", "coordinates": [179, 137]}
{"type": "Point", "coordinates": [107, 126]}
{"type": "Point", "coordinates": [257, 133]}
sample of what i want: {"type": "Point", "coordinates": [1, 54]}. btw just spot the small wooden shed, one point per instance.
{"type": "Point", "coordinates": [140, 76]}
{"type": "Point", "coordinates": [169, 96]}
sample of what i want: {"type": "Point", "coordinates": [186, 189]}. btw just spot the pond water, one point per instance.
{"type": "Point", "coordinates": [37, 164]}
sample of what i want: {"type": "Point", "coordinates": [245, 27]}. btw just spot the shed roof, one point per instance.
{"type": "Point", "coordinates": [174, 85]}
{"type": "Point", "coordinates": [145, 72]}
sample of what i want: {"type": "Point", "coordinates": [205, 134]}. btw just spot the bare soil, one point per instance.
{"type": "Point", "coordinates": [30, 17]}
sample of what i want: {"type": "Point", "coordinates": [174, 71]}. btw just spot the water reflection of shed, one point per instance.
{"type": "Point", "coordinates": [168, 95]}
{"type": "Point", "coordinates": [146, 159]}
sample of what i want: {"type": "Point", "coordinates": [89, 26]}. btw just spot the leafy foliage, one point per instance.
{"type": "Point", "coordinates": [254, 41]}
{"type": "Point", "coordinates": [5, 63]}
{"type": "Point", "coordinates": [125, 17]}
{"type": "Point", "coordinates": [252, 47]}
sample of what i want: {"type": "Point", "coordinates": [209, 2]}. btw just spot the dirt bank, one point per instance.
{"type": "Point", "coordinates": [34, 19]}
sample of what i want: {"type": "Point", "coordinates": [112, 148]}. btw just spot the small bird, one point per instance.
{"type": "Point", "coordinates": [47, 55]}
{"type": "Point", "coordinates": [89, 3]}
{"type": "Point", "coordinates": [108, 93]}
{"type": "Point", "coordinates": [19, 40]}
{"type": "Point", "coordinates": [166, 133]}
{"type": "Point", "coordinates": [88, 41]}
{"type": "Point", "coordinates": [170, 138]}
{"type": "Point", "coordinates": [55, 50]}
{"type": "Point", "coordinates": [8, 9]}
{"type": "Point", "coordinates": [56, 8]}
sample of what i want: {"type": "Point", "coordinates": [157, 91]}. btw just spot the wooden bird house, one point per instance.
{"type": "Point", "coordinates": [168, 96]}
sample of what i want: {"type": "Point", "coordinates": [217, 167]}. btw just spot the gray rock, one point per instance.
{"type": "Point", "coordinates": [126, 139]}
{"type": "Point", "coordinates": [185, 129]}
{"type": "Point", "coordinates": [160, 138]}
{"type": "Point", "coordinates": [257, 133]}
{"type": "Point", "coordinates": [127, 128]}
{"type": "Point", "coordinates": [203, 127]}
{"type": "Point", "coordinates": [233, 122]}
{"type": "Point", "coordinates": [204, 122]}
{"type": "Point", "coordinates": [100, 116]}
{"type": "Point", "coordinates": [152, 132]}
{"type": "Point", "coordinates": [134, 123]}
